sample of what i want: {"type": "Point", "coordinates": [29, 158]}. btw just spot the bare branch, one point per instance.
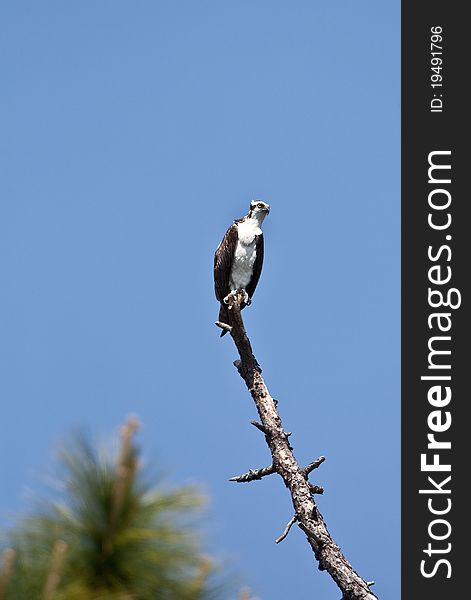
{"type": "Point", "coordinates": [292, 521]}
{"type": "Point", "coordinates": [254, 474]}
{"type": "Point", "coordinates": [316, 489]}
{"type": "Point", "coordinates": [263, 428]}
{"type": "Point", "coordinates": [327, 553]}
{"type": "Point", "coordinates": [222, 325]}
{"type": "Point", "coordinates": [313, 465]}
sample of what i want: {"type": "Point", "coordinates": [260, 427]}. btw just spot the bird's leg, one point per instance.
{"type": "Point", "coordinates": [247, 300]}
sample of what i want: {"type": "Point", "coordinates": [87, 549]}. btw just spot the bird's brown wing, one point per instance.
{"type": "Point", "coordinates": [223, 258]}
{"type": "Point", "coordinates": [257, 267]}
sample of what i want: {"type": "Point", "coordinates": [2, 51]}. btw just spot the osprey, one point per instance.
{"type": "Point", "coordinates": [239, 258]}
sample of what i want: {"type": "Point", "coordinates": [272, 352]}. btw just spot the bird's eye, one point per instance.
{"type": "Point", "coordinates": [260, 205]}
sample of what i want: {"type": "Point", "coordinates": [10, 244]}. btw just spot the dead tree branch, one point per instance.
{"type": "Point", "coordinates": [327, 553]}
{"type": "Point", "coordinates": [313, 465]}
{"type": "Point", "coordinates": [291, 522]}
{"type": "Point", "coordinates": [254, 474]}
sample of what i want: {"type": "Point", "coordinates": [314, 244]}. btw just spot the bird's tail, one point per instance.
{"type": "Point", "coordinates": [223, 317]}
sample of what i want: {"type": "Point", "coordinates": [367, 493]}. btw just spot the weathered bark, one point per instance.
{"type": "Point", "coordinates": [307, 515]}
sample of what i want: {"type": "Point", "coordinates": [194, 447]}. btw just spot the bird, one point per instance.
{"type": "Point", "coordinates": [238, 259]}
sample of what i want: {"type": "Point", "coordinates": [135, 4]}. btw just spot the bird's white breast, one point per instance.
{"type": "Point", "coordinates": [245, 254]}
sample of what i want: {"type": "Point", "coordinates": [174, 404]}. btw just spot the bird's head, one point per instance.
{"type": "Point", "coordinates": [258, 210]}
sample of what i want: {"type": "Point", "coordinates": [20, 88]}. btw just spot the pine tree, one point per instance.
{"type": "Point", "coordinates": [111, 536]}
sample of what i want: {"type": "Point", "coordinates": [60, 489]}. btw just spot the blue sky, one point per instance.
{"type": "Point", "coordinates": [131, 134]}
